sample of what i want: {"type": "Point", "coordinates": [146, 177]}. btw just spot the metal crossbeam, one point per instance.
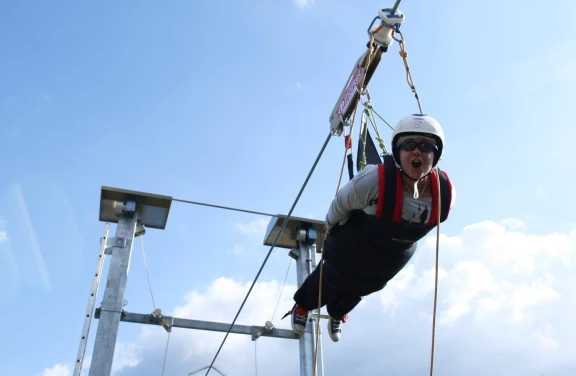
{"type": "Point", "coordinates": [140, 318]}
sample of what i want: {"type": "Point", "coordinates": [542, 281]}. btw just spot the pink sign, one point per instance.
{"type": "Point", "coordinates": [350, 89]}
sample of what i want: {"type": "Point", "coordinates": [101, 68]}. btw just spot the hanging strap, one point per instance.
{"type": "Point", "coordinates": [350, 166]}
{"type": "Point", "coordinates": [370, 151]}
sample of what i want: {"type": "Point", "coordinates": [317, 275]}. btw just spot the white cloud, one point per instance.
{"type": "Point", "coordinates": [254, 230]}
{"type": "Point", "coordinates": [298, 85]}
{"type": "Point", "coordinates": [469, 279]}
{"type": "Point", "coordinates": [126, 355]}
{"type": "Point", "coordinates": [390, 299]}
{"type": "Point", "coordinates": [490, 268]}
{"type": "Point", "coordinates": [86, 363]}
{"type": "Point", "coordinates": [225, 294]}
{"type": "Point", "coordinates": [513, 250]}
{"type": "Point", "coordinates": [514, 224]}
{"type": "Point", "coordinates": [303, 4]}
{"type": "Point", "coordinates": [407, 288]}
{"type": "Point", "coordinates": [3, 236]}
{"type": "Point", "coordinates": [524, 295]}
{"type": "Point", "coordinates": [545, 338]}
{"type": "Point", "coordinates": [57, 370]}
{"type": "Point", "coordinates": [219, 303]}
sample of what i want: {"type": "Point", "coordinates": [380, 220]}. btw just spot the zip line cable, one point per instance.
{"type": "Point", "coordinates": [223, 207]}
{"type": "Point", "coordinates": [395, 7]}
{"type": "Point", "coordinates": [272, 247]}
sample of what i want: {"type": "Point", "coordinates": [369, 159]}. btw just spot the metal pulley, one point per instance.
{"type": "Point", "coordinates": [390, 20]}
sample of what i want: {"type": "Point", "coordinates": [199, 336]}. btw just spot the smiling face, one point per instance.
{"type": "Point", "coordinates": [417, 155]}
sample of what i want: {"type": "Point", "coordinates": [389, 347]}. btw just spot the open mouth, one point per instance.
{"type": "Point", "coordinates": [416, 164]}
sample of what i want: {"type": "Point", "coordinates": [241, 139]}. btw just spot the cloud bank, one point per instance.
{"type": "Point", "coordinates": [505, 307]}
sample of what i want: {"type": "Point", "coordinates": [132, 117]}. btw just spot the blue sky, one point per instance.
{"type": "Point", "coordinates": [228, 103]}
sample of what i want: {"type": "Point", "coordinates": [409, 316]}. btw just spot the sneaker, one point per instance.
{"type": "Point", "coordinates": [335, 328]}
{"type": "Point", "coordinates": [299, 319]}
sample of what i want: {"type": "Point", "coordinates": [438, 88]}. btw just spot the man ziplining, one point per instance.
{"type": "Point", "coordinates": [375, 221]}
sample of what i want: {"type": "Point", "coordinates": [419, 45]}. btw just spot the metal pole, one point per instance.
{"type": "Point", "coordinates": [91, 301]}
{"type": "Point", "coordinates": [307, 340]}
{"type": "Point", "coordinates": [112, 303]}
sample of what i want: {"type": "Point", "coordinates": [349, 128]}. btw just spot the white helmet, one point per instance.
{"type": "Point", "coordinates": [421, 125]}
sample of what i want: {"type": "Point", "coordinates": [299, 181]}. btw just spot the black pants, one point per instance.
{"type": "Point", "coordinates": [342, 292]}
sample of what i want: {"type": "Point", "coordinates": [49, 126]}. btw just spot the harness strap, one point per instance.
{"type": "Point", "coordinates": [434, 187]}
{"type": "Point", "coordinates": [388, 174]}
{"type": "Point", "coordinates": [446, 193]}
{"type": "Point", "coordinates": [398, 203]}
{"type": "Point", "coordinates": [381, 186]}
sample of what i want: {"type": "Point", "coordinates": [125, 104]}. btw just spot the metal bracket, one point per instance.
{"type": "Point", "coordinates": [258, 331]}
{"type": "Point", "coordinates": [129, 208]}
{"type": "Point", "coordinates": [314, 315]}
{"type": "Point", "coordinates": [159, 318]}
{"type": "Point", "coordinates": [116, 242]}
{"type": "Point", "coordinates": [98, 311]}
{"type": "Point", "coordinates": [294, 253]}
{"type": "Point", "coordinates": [140, 229]}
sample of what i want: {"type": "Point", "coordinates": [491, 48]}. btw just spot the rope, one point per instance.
{"type": "Point", "coordinates": [318, 313]}
{"type": "Point", "coordinates": [364, 135]}
{"type": "Point", "coordinates": [272, 247]}
{"type": "Point", "coordinates": [375, 126]}
{"type": "Point", "coordinates": [146, 268]}
{"type": "Point", "coordinates": [346, 147]}
{"type": "Point", "coordinates": [154, 302]}
{"type": "Point", "coordinates": [256, 358]}
{"type": "Point", "coordinates": [378, 137]}
{"type": "Point", "coordinates": [436, 276]}
{"type": "Point", "coordinates": [282, 290]}
{"type": "Point", "coordinates": [404, 55]}
{"type": "Point", "coordinates": [166, 351]}
{"type": "Point", "coordinates": [223, 207]}
{"type": "Point", "coordinates": [369, 114]}
{"type": "Point", "coordinates": [381, 118]}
